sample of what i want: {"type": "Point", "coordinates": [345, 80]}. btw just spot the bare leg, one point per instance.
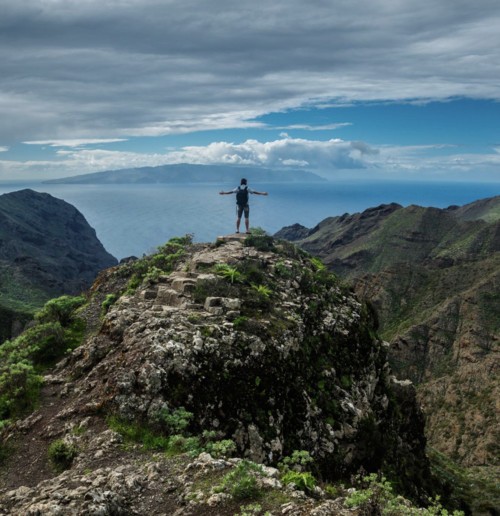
{"type": "Point", "coordinates": [238, 220]}
{"type": "Point", "coordinates": [247, 225]}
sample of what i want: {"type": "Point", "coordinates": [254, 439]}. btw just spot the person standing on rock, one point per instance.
{"type": "Point", "coordinates": [242, 206]}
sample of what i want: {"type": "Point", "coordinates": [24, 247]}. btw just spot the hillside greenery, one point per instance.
{"type": "Point", "coordinates": [57, 331]}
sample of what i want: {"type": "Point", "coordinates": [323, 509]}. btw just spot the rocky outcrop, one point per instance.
{"type": "Point", "coordinates": [297, 368]}
{"type": "Point", "coordinates": [264, 348]}
{"type": "Point", "coordinates": [47, 249]}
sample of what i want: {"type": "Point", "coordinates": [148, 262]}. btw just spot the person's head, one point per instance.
{"type": "Point", "coordinates": [243, 181]}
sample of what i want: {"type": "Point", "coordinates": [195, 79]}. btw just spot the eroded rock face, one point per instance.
{"type": "Point", "coordinates": [433, 277]}
{"type": "Point", "coordinates": [296, 367]}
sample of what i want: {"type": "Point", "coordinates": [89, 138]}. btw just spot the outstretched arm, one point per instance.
{"type": "Point", "coordinates": [225, 193]}
{"type": "Point", "coordinates": [260, 193]}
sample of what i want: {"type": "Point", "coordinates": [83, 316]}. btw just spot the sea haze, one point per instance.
{"type": "Point", "coordinates": [135, 219]}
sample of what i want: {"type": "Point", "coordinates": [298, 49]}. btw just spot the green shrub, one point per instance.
{"type": "Point", "coordinates": [332, 491]}
{"type": "Point", "coordinates": [304, 481]}
{"type": "Point", "coordinates": [258, 231]}
{"type": "Point", "coordinates": [262, 243]}
{"type": "Point", "coordinates": [253, 271]}
{"type": "Point", "coordinates": [180, 241]}
{"type": "Point", "coordinates": [151, 267]}
{"type": "Point", "coordinates": [298, 461]}
{"type": "Point", "coordinates": [284, 271]}
{"type": "Point", "coordinates": [241, 482]}
{"type": "Point", "coordinates": [175, 422]}
{"type": "Point", "coordinates": [240, 322]}
{"type": "Point", "coordinates": [359, 498]}
{"type": "Point", "coordinates": [19, 388]}
{"type": "Point", "coordinates": [231, 273]}
{"type": "Point", "coordinates": [164, 262]}
{"type": "Point", "coordinates": [252, 509]}
{"type": "Point", "coordinates": [173, 443]}
{"type": "Point", "coordinates": [108, 302]}
{"type": "Point", "coordinates": [181, 444]}
{"type": "Point", "coordinates": [61, 454]}
{"type": "Point", "coordinates": [317, 264]}
{"type": "Point", "coordinates": [139, 433]}
{"type": "Point", "coordinates": [39, 344]}
{"type": "Point", "coordinates": [346, 381]}
{"type": "Point", "coordinates": [61, 309]}
{"type": "Point", "coordinates": [153, 274]}
{"type": "Point", "coordinates": [133, 283]}
{"type": "Point", "coordinates": [21, 360]}
{"type": "Point", "coordinates": [262, 290]}
{"type": "Point", "coordinates": [223, 448]}
{"type": "Point", "coordinates": [375, 496]}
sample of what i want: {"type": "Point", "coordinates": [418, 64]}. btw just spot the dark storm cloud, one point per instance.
{"type": "Point", "coordinates": [95, 69]}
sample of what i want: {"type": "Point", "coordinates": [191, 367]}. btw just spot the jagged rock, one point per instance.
{"type": "Point", "coordinates": [299, 369]}
{"type": "Point", "coordinates": [300, 372]}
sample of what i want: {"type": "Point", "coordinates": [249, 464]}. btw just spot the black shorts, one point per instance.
{"type": "Point", "coordinates": [241, 209]}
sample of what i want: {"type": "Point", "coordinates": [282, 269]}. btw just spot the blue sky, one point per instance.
{"type": "Point", "coordinates": [345, 88]}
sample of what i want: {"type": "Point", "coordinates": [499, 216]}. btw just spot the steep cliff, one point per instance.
{"type": "Point", "coordinates": [253, 342]}
{"type": "Point", "coordinates": [47, 248]}
{"type": "Point", "coordinates": [434, 278]}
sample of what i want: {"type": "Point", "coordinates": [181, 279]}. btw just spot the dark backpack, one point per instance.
{"type": "Point", "coordinates": [242, 196]}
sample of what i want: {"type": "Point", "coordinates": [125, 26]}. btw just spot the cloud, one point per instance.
{"type": "Point", "coordinates": [75, 143]}
{"type": "Point", "coordinates": [121, 68]}
{"type": "Point", "coordinates": [286, 152]}
{"type": "Point", "coordinates": [4, 149]}
{"type": "Point", "coordinates": [329, 158]}
{"type": "Point", "coordinates": [283, 153]}
{"type": "Point", "coordinates": [307, 127]}
{"type": "Point", "coordinates": [430, 160]}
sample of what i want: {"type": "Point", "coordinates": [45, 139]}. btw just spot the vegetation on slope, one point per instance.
{"type": "Point", "coordinates": [57, 331]}
{"type": "Point", "coordinates": [47, 249]}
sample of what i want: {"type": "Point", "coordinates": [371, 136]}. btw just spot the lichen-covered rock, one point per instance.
{"type": "Point", "coordinates": [265, 348]}
{"type": "Point", "coordinates": [269, 350]}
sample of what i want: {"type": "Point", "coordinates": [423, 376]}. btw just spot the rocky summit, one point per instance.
{"type": "Point", "coordinates": [252, 347]}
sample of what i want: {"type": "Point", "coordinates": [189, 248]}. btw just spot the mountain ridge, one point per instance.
{"type": "Point", "coordinates": [433, 277]}
{"type": "Point", "coordinates": [47, 248]}
{"type": "Point", "coordinates": [186, 173]}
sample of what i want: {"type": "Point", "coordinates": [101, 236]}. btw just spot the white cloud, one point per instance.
{"type": "Point", "coordinates": [308, 127]}
{"type": "Point", "coordinates": [438, 159]}
{"type": "Point", "coordinates": [283, 153]}
{"type": "Point", "coordinates": [4, 149]}
{"type": "Point", "coordinates": [325, 157]}
{"type": "Point", "coordinates": [314, 154]}
{"type": "Point", "coordinates": [75, 143]}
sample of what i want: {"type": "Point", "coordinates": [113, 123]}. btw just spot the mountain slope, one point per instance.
{"type": "Point", "coordinates": [47, 249]}
{"type": "Point", "coordinates": [434, 277]}
{"type": "Point", "coordinates": [253, 343]}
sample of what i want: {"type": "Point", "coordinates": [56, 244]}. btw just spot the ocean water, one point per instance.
{"type": "Point", "coordinates": [135, 219]}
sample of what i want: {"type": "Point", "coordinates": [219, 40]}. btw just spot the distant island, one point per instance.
{"type": "Point", "coordinates": [186, 173]}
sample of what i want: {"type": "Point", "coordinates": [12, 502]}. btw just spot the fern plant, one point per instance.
{"type": "Point", "coordinates": [228, 272]}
